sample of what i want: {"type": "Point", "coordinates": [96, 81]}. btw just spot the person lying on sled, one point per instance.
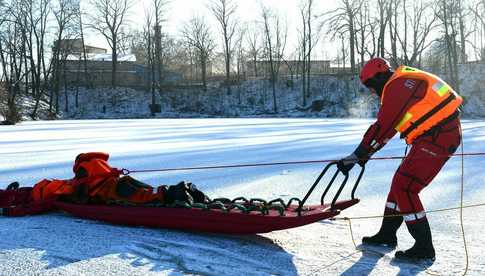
{"type": "Point", "coordinates": [95, 181]}
{"type": "Point", "coordinates": [425, 110]}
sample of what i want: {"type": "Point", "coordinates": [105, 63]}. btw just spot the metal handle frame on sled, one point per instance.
{"type": "Point", "coordinates": [339, 191]}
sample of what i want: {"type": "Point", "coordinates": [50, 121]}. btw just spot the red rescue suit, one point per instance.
{"type": "Point", "coordinates": [403, 97]}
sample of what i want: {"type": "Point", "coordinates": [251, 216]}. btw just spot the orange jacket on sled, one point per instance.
{"type": "Point", "coordinates": [97, 180]}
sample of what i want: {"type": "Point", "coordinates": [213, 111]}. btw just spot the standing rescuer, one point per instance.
{"type": "Point", "coordinates": [425, 110]}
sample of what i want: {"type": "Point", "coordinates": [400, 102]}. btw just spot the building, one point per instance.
{"type": "Point", "coordinates": [289, 67]}
{"type": "Point", "coordinates": [75, 47]}
{"type": "Point", "coordinates": [97, 69]}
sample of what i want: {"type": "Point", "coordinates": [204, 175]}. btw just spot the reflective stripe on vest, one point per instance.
{"type": "Point", "coordinates": [439, 102]}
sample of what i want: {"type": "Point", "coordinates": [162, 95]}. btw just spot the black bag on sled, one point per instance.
{"type": "Point", "coordinates": [185, 192]}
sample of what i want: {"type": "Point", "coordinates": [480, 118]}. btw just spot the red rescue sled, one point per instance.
{"type": "Point", "coordinates": [215, 221]}
{"type": "Point", "coordinates": [233, 221]}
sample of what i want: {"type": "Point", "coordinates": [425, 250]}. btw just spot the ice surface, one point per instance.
{"type": "Point", "coordinates": [55, 244]}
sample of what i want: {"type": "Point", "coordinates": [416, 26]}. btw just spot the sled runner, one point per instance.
{"type": "Point", "coordinates": [238, 216]}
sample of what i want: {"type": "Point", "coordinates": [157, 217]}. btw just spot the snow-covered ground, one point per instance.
{"type": "Point", "coordinates": [57, 243]}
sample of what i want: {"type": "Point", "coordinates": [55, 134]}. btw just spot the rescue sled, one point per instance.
{"type": "Point", "coordinates": [224, 217]}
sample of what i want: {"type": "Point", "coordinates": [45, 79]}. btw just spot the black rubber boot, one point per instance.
{"type": "Point", "coordinates": [422, 249]}
{"type": "Point", "coordinates": [387, 234]}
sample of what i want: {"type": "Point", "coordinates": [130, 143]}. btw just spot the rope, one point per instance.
{"type": "Point", "coordinates": [461, 207]}
{"type": "Point", "coordinates": [126, 171]}
{"type": "Point", "coordinates": [352, 234]}
{"type": "Point", "coordinates": [349, 219]}
{"type": "Point", "coordinates": [400, 215]}
{"type": "Point", "coordinates": [461, 204]}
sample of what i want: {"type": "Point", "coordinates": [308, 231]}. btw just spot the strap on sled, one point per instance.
{"type": "Point", "coordinates": [342, 185]}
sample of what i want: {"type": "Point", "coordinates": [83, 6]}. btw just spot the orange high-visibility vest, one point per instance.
{"type": "Point", "coordinates": [439, 103]}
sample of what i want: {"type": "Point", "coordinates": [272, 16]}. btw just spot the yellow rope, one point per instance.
{"type": "Point", "coordinates": [400, 215]}
{"type": "Point", "coordinates": [349, 220]}
{"type": "Point", "coordinates": [461, 205]}
{"type": "Point", "coordinates": [355, 244]}
{"type": "Point", "coordinates": [352, 234]}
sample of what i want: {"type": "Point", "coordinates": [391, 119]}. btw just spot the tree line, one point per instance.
{"type": "Point", "coordinates": [438, 34]}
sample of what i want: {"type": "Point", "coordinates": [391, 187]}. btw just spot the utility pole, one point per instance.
{"type": "Point", "coordinates": [158, 56]}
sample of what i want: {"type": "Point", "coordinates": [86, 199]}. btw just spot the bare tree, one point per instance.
{"type": "Point", "coordinates": [341, 21]}
{"type": "Point", "coordinates": [365, 27]}
{"type": "Point", "coordinates": [239, 51]}
{"type": "Point", "coordinates": [159, 7]}
{"type": "Point", "coordinates": [307, 41]}
{"type": "Point", "coordinates": [65, 13]}
{"type": "Point", "coordinates": [36, 14]}
{"type": "Point", "coordinates": [150, 59]}
{"type": "Point", "coordinates": [463, 13]}
{"type": "Point", "coordinates": [148, 46]}
{"type": "Point", "coordinates": [197, 34]}
{"type": "Point", "coordinates": [11, 58]}
{"type": "Point", "coordinates": [393, 31]}
{"type": "Point", "coordinates": [478, 23]}
{"type": "Point", "coordinates": [125, 38]}
{"type": "Point", "coordinates": [82, 57]}
{"type": "Point", "coordinates": [254, 47]}
{"type": "Point", "coordinates": [3, 19]}
{"type": "Point", "coordinates": [224, 11]}
{"type": "Point", "coordinates": [418, 26]}
{"type": "Point", "coordinates": [343, 51]}
{"type": "Point", "coordinates": [108, 17]}
{"type": "Point", "coordinates": [447, 14]}
{"type": "Point", "coordinates": [22, 52]}
{"type": "Point", "coordinates": [385, 13]}
{"type": "Point", "coordinates": [275, 33]}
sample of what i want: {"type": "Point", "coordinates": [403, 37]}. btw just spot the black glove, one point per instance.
{"type": "Point", "coordinates": [363, 155]}
{"type": "Point", "coordinates": [346, 164]}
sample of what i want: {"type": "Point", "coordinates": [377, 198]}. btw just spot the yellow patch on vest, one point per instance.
{"type": "Point", "coordinates": [440, 88]}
